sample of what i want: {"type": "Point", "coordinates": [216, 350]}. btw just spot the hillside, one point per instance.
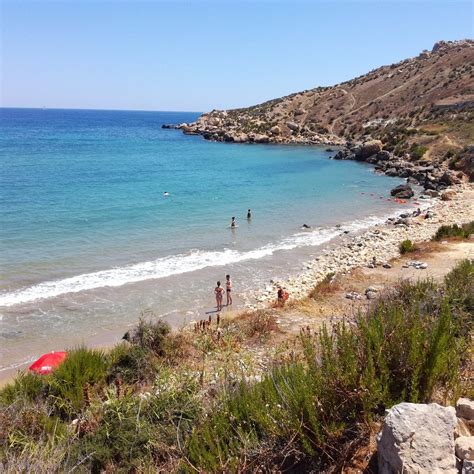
{"type": "Point", "coordinates": [421, 106]}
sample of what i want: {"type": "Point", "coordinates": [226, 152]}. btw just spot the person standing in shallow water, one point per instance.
{"type": "Point", "coordinates": [228, 287]}
{"type": "Point", "coordinates": [233, 224]}
{"type": "Point", "coordinates": [249, 214]}
{"type": "Point", "coordinates": [219, 295]}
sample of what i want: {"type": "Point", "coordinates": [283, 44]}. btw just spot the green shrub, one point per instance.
{"type": "Point", "coordinates": [459, 284]}
{"type": "Point", "coordinates": [132, 364]}
{"type": "Point", "coordinates": [151, 335]}
{"type": "Point", "coordinates": [26, 386]}
{"type": "Point", "coordinates": [417, 151]}
{"type": "Point", "coordinates": [406, 246]}
{"type": "Point", "coordinates": [68, 384]}
{"type": "Point", "coordinates": [463, 231]}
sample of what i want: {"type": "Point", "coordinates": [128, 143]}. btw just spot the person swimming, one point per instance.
{"type": "Point", "coordinates": [166, 193]}
{"type": "Point", "coordinates": [233, 224]}
{"type": "Point", "coordinates": [249, 214]}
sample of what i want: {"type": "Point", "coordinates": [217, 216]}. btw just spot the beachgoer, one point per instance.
{"type": "Point", "coordinates": [306, 226]}
{"type": "Point", "coordinates": [280, 294]}
{"type": "Point", "coordinates": [249, 214]}
{"type": "Point", "coordinates": [166, 193]}
{"type": "Point", "coordinates": [233, 224]}
{"type": "Point", "coordinates": [228, 288]}
{"type": "Point", "coordinates": [218, 290]}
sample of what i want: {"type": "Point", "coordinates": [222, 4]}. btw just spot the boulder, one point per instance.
{"type": "Point", "coordinates": [383, 155]}
{"type": "Point", "coordinates": [403, 191]}
{"type": "Point", "coordinates": [367, 149]}
{"type": "Point", "coordinates": [417, 438]}
{"type": "Point", "coordinates": [293, 126]}
{"type": "Point", "coordinates": [465, 448]}
{"type": "Point", "coordinates": [465, 408]}
{"type": "Point", "coordinates": [449, 178]}
{"type": "Point", "coordinates": [260, 138]}
{"type": "Point", "coordinates": [448, 195]}
{"type": "Point", "coordinates": [275, 130]}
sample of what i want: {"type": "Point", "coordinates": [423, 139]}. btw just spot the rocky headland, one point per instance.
{"type": "Point", "coordinates": [412, 119]}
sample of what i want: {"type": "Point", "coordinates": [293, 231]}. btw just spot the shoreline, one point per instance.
{"type": "Point", "coordinates": [381, 241]}
{"type": "Point", "coordinates": [344, 254]}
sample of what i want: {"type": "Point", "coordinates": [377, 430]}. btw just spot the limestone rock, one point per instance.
{"type": "Point", "coordinates": [465, 448]}
{"type": "Point", "coordinates": [275, 130]}
{"type": "Point", "coordinates": [465, 408]}
{"type": "Point", "coordinates": [260, 138]}
{"type": "Point", "coordinates": [448, 195]}
{"type": "Point", "coordinates": [293, 126]}
{"type": "Point", "coordinates": [417, 438]}
{"type": "Point", "coordinates": [403, 191]}
{"type": "Point", "coordinates": [367, 149]}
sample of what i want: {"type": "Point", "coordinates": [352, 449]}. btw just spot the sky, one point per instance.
{"type": "Point", "coordinates": [198, 55]}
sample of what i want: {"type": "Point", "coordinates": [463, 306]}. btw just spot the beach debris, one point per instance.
{"type": "Point", "coordinates": [386, 265]}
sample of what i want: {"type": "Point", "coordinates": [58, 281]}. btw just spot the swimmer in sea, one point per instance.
{"type": "Point", "coordinates": [166, 193]}
{"type": "Point", "coordinates": [233, 224]}
{"type": "Point", "coordinates": [249, 214]}
{"type": "Point", "coordinates": [306, 226]}
{"type": "Point", "coordinates": [218, 290]}
{"type": "Point", "coordinates": [228, 287]}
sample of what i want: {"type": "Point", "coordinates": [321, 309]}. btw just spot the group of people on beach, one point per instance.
{"type": "Point", "coordinates": [219, 292]}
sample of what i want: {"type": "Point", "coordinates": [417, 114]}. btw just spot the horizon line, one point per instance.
{"type": "Point", "coordinates": [102, 110]}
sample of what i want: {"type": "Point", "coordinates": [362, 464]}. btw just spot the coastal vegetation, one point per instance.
{"type": "Point", "coordinates": [407, 246]}
{"type": "Point", "coordinates": [447, 231]}
{"type": "Point", "coordinates": [149, 403]}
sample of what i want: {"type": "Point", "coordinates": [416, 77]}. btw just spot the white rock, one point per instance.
{"type": "Point", "coordinates": [465, 408]}
{"type": "Point", "coordinates": [417, 438]}
{"type": "Point", "coordinates": [465, 448]}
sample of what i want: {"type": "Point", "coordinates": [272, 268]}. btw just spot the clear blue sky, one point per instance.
{"type": "Point", "coordinates": [198, 55]}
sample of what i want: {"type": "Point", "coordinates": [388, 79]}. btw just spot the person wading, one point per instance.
{"type": "Point", "coordinates": [219, 291]}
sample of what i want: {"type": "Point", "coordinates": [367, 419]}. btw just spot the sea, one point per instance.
{"type": "Point", "coordinates": [105, 216]}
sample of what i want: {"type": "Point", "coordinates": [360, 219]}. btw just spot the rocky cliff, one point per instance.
{"type": "Point", "coordinates": [420, 109]}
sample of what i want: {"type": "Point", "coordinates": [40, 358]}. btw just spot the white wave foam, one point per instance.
{"type": "Point", "coordinates": [175, 264]}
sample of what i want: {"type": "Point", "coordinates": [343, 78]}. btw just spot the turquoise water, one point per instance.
{"type": "Point", "coordinates": [88, 239]}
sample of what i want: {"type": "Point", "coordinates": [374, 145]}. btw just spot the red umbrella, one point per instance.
{"type": "Point", "coordinates": [48, 362]}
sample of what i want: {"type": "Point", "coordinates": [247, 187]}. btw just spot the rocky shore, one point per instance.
{"type": "Point", "coordinates": [432, 176]}
{"type": "Point", "coordinates": [380, 243]}
{"type": "Point", "coordinates": [221, 126]}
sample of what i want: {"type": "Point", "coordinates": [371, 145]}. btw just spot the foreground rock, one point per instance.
{"type": "Point", "coordinates": [417, 438]}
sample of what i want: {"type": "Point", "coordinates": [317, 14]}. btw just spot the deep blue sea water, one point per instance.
{"type": "Point", "coordinates": [88, 239]}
